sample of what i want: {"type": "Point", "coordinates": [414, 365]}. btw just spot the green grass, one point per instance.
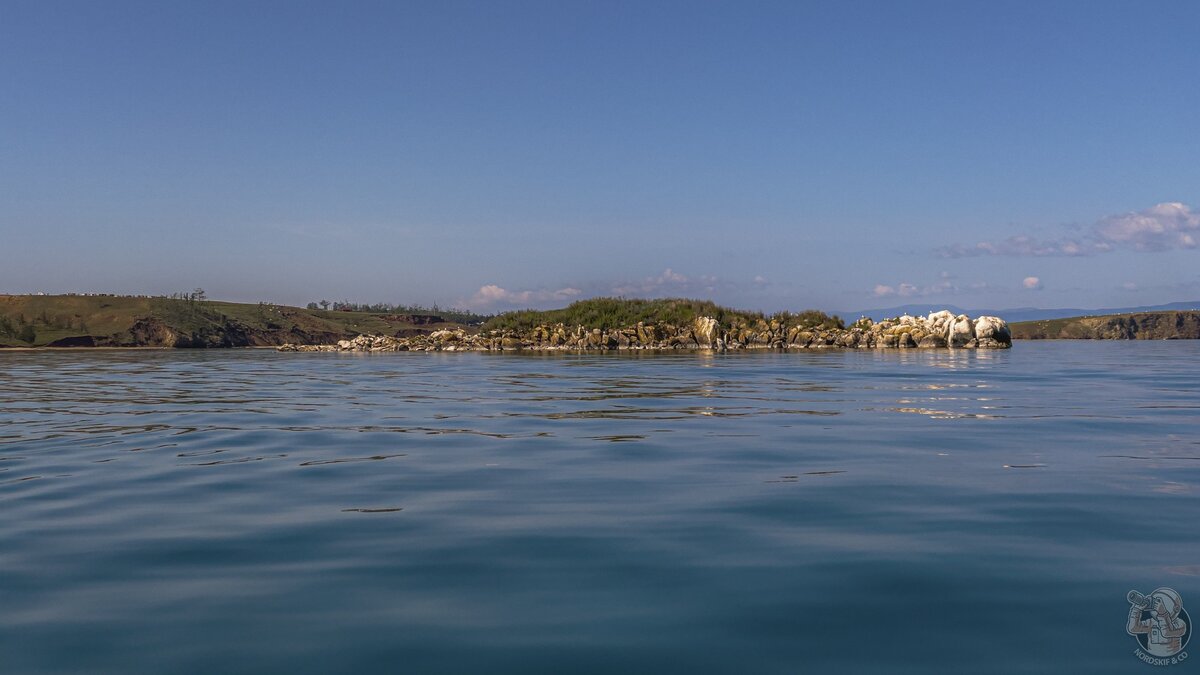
{"type": "Point", "coordinates": [1150, 325]}
{"type": "Point", "coordinates": [606, 313]}
{"type": "Point", "coordinates": [51, 318]}
{"type": "Point", "coordinates": [41, 320]}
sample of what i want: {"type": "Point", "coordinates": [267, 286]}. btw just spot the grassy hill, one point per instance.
{"type": "Point", "coordinates": [1135, 326]}
{"type": "Point", "coordinates": [607, 313]}
{"type": "Point", "coordinates": [122, 321]}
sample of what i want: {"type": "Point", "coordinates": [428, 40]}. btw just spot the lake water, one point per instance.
{"type": "Point", "coordinates": [889, 512]}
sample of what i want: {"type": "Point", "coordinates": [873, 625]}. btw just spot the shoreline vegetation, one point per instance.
{"type": "Point", "coordinates": [189, 320]}
{"type": "Point", "coordinates": [605, 324]}
{"type": "Point", "coordinates": [1167, 325]}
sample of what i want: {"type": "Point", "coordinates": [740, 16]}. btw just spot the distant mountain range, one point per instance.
{"type": "Point", "coordinates": [1016, 314]}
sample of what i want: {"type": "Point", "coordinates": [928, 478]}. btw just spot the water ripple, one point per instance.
{"type": "Point", "coordinates": [251, 511]}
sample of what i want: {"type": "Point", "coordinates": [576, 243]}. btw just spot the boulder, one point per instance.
{"type": "Point", "coordinates": [932, 342]}
{"type": "Point", "coordinates": [706, 331]}
{"type": "Point", "coordinates": [960, 331]}
{"type": "Point", "coordinates": [992, 327]}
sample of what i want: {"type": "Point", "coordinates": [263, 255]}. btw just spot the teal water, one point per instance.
{"type": "Point", "coordinates": [879, 512]}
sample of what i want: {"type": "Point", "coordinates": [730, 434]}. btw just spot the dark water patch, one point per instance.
{"type": "Point", "coordinates": [343, 460]}
{"type": "Point", "coordinates": [156, 447]}
{"type": "Point", "coordinates": [202, 453]}
{"type": "Point", "coordinates": [795, 478]}
{"type": "Point", "coordinates": [1152, 457]}
{"type": "Point", "coordinates": [239, 460]}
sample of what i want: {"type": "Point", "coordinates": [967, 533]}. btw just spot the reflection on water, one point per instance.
{"type": "Point", "coordinates": [903, 511]}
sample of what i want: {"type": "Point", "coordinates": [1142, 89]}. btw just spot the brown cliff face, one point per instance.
{"type": "Point", "coordinates": [153, 332]}
{"type": "Point", "coordinates": [1142, 326]}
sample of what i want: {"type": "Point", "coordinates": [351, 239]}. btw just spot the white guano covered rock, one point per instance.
{"type": "Point", "coordinates": [992, 332]}
{"type": "Point", "coordinates": [960, 331]}
{"type": "Point", "coordinates": [707, 332]}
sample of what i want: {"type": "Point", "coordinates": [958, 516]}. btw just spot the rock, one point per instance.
{"type": "Point", "coordinates": [960, 331]}
{"type": "Point", "coordinates": [932, 342]}
{"type": "Point", "coordinates": [938, 319]}
{"type": "Point", "coordinates": [937, 330]}
{"type": "Point", "coordinates": [706, 331]}
{"type": "Point", "coordinates": [992, 333]}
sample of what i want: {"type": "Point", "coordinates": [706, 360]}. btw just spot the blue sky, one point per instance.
{"type": "Point", "coordinates": [838, 155]}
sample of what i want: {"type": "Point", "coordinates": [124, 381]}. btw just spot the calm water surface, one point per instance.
{"type": "Point", "coordinates": [258, 512]}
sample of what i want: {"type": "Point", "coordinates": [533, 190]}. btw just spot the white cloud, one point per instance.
{"type": "Point", "coordinates": [669, 282]}
{"type": "Point", "coordinates": [945, 285]}
{"type": "Point", "coordinates": [673, 276]}
{"type": "Point", "coordinates": [1032, 283]}
{"type": "Point", "coordinates": [1163, 227]}
{"type": "Point", "coordinates": [907, 290]}
{"type": "Point", "coordinates": [1022, 245]}
{"type": "Point", "coordinates": [1159, 228]}
{"type": "Point", "coordinates": [491, 296]}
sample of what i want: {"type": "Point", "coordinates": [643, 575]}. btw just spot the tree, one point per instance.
{"type": "Point", "coordinates": [311, 305]}
{"type": "Point", "coordinates": [324, 304]}
{"type": "Point", "coordinates": [27, 334]}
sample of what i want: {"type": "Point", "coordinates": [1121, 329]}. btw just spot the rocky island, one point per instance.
{"type": "Point", "coordinates": [810, 330]}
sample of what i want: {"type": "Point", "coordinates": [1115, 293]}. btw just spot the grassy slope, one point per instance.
{"type": "Point", "coordinates": [619, 313]}
{"type": "Point", "coordinates": [134, 321]}
{"type": "Point", "coordinates": [111, 318]}
{"type": "Point", "coordinates": [1141, 325]}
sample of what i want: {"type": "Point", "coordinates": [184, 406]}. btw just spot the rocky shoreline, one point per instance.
{"type": "Point", "coordinates": [938, 330]}
{"type": "Point", "coordinates": [1173, 325]}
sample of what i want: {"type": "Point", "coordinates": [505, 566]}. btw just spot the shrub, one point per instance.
{"type": "Point", "coordinates": [606, 313]}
